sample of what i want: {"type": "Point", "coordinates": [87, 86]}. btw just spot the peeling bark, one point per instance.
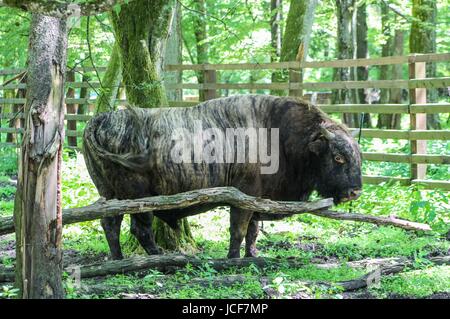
{"type": "Point", "coordinates": [37, 209]}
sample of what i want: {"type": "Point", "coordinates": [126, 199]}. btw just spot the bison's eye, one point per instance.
{"type": "Point", "coordinates": [338, 158]}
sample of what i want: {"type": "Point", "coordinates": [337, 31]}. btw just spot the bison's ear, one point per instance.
{"type": "Point", "coordinates": [317, 146]}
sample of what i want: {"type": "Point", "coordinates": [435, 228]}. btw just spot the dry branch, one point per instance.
{"type": "Point", "coordinates": [61, 9]}
{"type": "Point", "coordinates": [392, 220]}
{"type": "Point", "coordinates": [220, 196]}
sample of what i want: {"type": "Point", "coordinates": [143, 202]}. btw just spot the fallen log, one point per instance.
{"type": "Point", "coordinates": [166, 263]}
{"type": "Point", "coordinates": [372, 277]}
{"type": "Point", "coordinates": [219, 195]}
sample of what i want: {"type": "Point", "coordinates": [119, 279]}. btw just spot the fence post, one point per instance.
{"type": "Point", "coordinates": [71, 109]}
{"type": "Point", "coordinates": [295, 82]}
{"type": "Point", "coordinates": [209, 77]}
{"type": "Point", "coordinates": [417, 121]}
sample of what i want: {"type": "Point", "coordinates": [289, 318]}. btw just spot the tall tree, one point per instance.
{"type": "Point", "coordinates": [296, 35]}
{"type": "Point", "coordinates": [392, 45]}
{"type": "Point", "coordinates": [362, 50]}
{"type": "Point", "coordinates": [276, 16]}
{"type": "Point", "coordinates": [422, 39]}
{"type": "Point", "coordinates": [37, 209]}
{"type": "Point", "coordinates": [141, 31]}
{"type": "Point", "coordinates": [142, 64]}
{"type": "Point", "coordinates": [173, 54]}
{"type": "Point", "coordinates": [37, 206]}
{"type": "Point", "coordinates": [201, 38]}
{"type": "Point", "coordinates": [345, 14]}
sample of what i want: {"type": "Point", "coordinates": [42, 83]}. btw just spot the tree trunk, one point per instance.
{"type": "Point", "coordinates": [397, 73]}
{"type": "Point", "coordinates": [362, 73]}
{"type": "Point", "coordinates": [423, 40]}
{"type": "Point", "coordinates": [201, 36]}
{"type": "Point", "coordinates": [385, 120]}
{"type": "Point", "coordinates": [173, 55]}
{"type": "Point", "coordinates": [37, 209]}
{"type": "Point", "coordinates": [344, 50]}
{"type": "Point", "coordinates": [110, 83]}
{"type": "Point", "coordinates": [142, 63]}
{"type": "Point", "coordinates": [276, 16]}
{"type": "Point", "coordinates": [296, 36]}
{"type": "Point", "coordinates": [141, 30]}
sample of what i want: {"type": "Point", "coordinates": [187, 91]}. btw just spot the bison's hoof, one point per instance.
{"type": "Point", "coordinates": [251, 253]}
{"type": "Point", "coordinates": [156, 251]}
{"type": "Point", "coordinates": [234, 254]}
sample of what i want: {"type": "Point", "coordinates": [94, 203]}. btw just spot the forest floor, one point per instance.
{"type": "Point", "coordinates": [312, 240]}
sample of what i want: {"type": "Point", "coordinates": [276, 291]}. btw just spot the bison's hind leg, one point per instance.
{"type": "Point", "coordinates": [239, 222]}
{"type": "Point", "coordinates": [250, 238]}
{"type": "Point", "coordinates": [111, 226]}
{"type": "Point", "coordinates": [141, 228]}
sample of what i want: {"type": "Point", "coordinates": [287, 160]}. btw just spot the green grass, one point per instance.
{"type": "Point", "coordinates": [416, 283]}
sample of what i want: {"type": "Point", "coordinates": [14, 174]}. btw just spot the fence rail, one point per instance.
{"type": "Point", "coordinates": [416, 109]}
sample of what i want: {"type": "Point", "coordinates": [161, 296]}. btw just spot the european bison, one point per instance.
{"type": "Point", "coordinates": [141, 152]}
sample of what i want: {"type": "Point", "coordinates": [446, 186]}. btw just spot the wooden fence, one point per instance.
{"type": "Point", "coordinates": [82, 94]}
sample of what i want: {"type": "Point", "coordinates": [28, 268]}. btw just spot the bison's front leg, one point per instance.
{"type": "Point", "coordinates": [250, 238]}
{"type": "Point", "coordinates": [141, 228]}
{"type": "Point", "coordinates": [239, 221]}
{"type": "Point", "coordinates": [111, 226]}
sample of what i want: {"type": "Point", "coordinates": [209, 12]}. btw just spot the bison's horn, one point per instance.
{"type": "Point", "coordinates": [327, 134]}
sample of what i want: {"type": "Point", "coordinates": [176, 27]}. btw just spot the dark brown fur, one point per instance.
{"type": "Point", "coordinates": [127, 155]}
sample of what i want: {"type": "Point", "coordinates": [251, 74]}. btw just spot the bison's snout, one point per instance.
{"type": "Point", "coordinates": [352, 195]}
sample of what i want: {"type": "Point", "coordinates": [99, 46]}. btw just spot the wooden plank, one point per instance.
{"type": "Point", "coordinates": [417, 121]}
{"type": "Point", "coordinates": [429, 135]}
{"type": "Point", "coordinates": [406, 158]}
{"type": "Point", "coordinates": [74, 133]}
{"type": "Point", "coordinates": [9, 116]}
{"type": "Point", "coordinates": [431, 57]}
{"type": "Point", "coordinates": [10, 145]}
{"type": "Point", "coordinates": [430, 108]}
{"type": "Point", "coordinates": [234, 66]}
{"type": "Point", "coordinates": [13, 86]}
{"type": "Point", "coordinates": [355, 62]}
{"type": "Point", "coordinates": [376, 84]}
{"type": "Point", "coordinates": [385, 179]}
{"type": "Point", "coordinates": [405, 134]}
{"type": "Point", "coordinates": [209, 77]}
{"type": "Point", "coordinates": [430, 159]}
{"type": "Point", "coordinates": [78, 117]}
{"type": "Point", "coordinates": [366, 108]}
{"type": "Point", "coordinates": [11, 71]}
{"type": "Point", "coordinates": [232, 86]}
{"type": "Point", "coordinates": [182, 103]}
{"type": "Point", "coordinates": [11, 130]}
{"type": "Point", "coordinates": [429, 83]}
{"type": "Point", "coordinates": [432, 184]}
{"type": "Point", "coordinates": [386, 157]}
{"type": "Point", "coordinates": [12, 101]}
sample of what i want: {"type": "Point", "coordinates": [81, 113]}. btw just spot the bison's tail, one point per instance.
{"type": "Point", "coordinates": [137, 159]}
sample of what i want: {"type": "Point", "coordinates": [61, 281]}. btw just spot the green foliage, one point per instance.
{"type": "Point", "coordinates": [416, 283]}
{"type": "Point", "coordinates": [8, 292]}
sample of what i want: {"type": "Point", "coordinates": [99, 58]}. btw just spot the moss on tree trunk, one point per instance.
{"type": "Point", "coordinates": [142, 29]}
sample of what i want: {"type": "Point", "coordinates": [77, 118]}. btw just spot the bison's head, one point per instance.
{"type": "Point", "coordinates": [338, 160]}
